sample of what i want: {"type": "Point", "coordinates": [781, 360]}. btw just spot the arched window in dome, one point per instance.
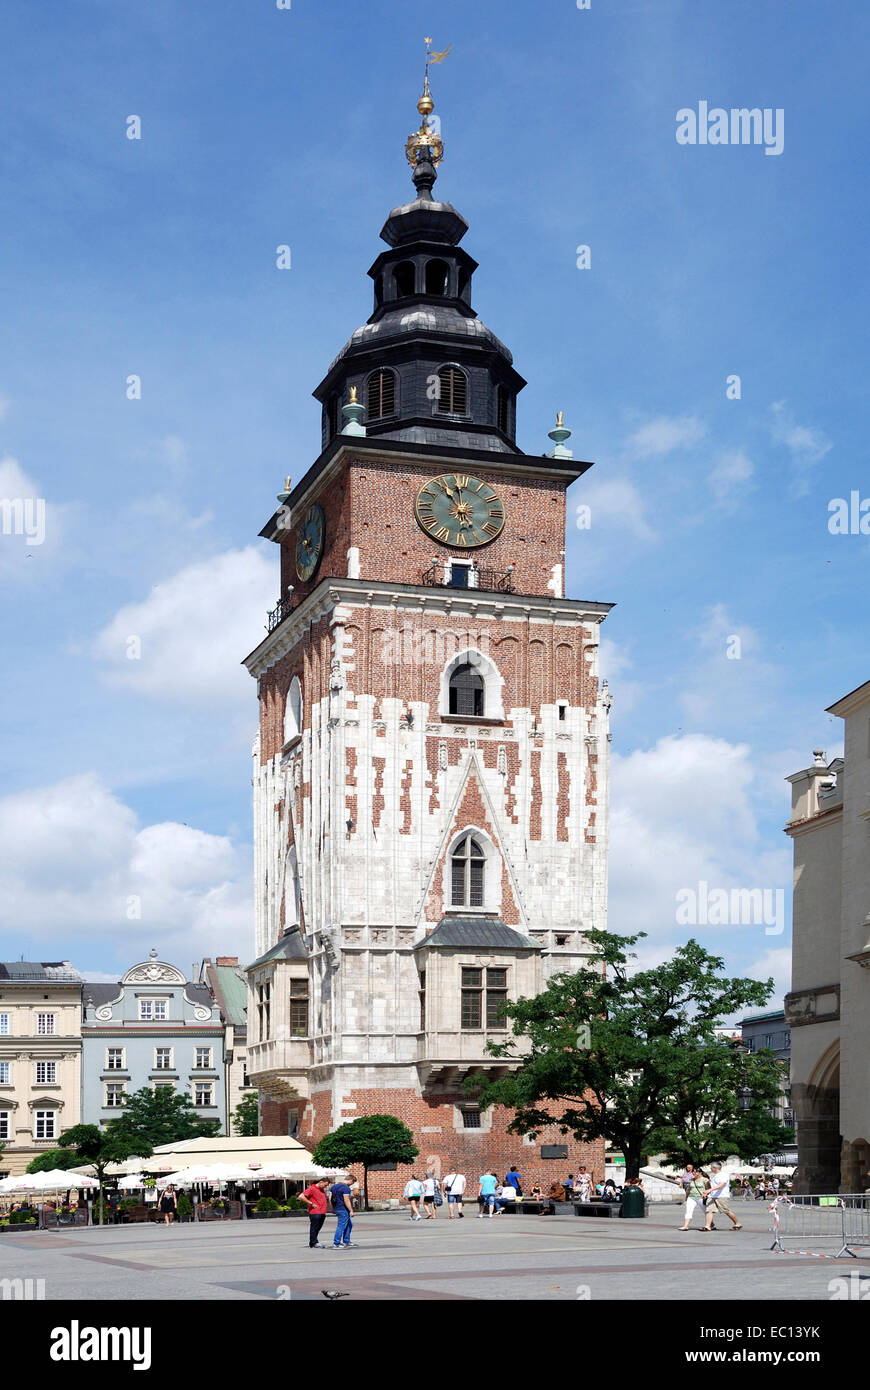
{"type": "Point", "coordinates": [467, 865]}
{"type": "Point", "coordinates": [453, 391]}
{"type": "Point", "coordinates": [466, 691]}
{"type": "Point", "coordinates": [381, 394]}
{"type": "Point", "coordinates": [404, 279]}
{"type": "Point", "coordinates": [437, 277]}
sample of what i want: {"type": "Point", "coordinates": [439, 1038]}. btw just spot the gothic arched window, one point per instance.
{"type": "Point", "coordinates": [404, 277]}
{"type": "Point", "coordinates": [452, 392]}
{"type": "Point", "coordinates": [381, 394]}
{"type": "Point", "coordinates": [437, 277]}
{"type": "Point", "coordinates": [293, 711]}
{"type": "Point", "coordinates": [466, 691]}
{"type": "Point", "coordinates": [467, 864]}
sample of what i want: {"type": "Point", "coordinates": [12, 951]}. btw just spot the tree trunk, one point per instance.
{"type": "Point", "coordinates": [633, 1154]}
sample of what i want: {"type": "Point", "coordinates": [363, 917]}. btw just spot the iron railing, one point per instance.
{"type": "Point", "coordinates": [278, 613]}
{"type": "Point", "coordinates": [469, 577]}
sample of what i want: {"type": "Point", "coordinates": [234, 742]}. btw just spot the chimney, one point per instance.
{"type": "Point", "coordinates": [226, 960]}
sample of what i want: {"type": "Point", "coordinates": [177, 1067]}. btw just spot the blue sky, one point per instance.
{"type": "Point", "coordinates": [263, 127]}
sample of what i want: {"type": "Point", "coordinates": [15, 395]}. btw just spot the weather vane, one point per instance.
{"type": "Point", "coordinates": [426, 144]}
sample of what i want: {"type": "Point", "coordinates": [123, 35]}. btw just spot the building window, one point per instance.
{"type": "Point", "coordinates": [4, 1025]}
{"type": "Point", "coordinates": [422, 997]}
{"type": "Point", "coordinates": [5, 1073]}
{"type": "Point", "coordinates": [114, 1059]}
{"type": "Point", "coordinates": [293, 1123]}
{"type": "Point", "coordinates": [46, 1073]}
{"type": "Point", "coordinates": [437, 277]}
{"type": "Point", "coordinates": [466, 691]}
{"type": "Point", "coordinates": [114, 1095]}
{"type": "Point", "coordinates": [452, 391]}
{"type": "Point", "coordinates": [264, 1011]}
{"type": "Point", "coordinates": [5, 1124]}
{"type": "Point", "coordinates": [496, 997]}
{"type": "Point", "coordinates": [293, 711]}
{"type": "Point", "coordinates": [381, 394]}
{"type": "Point", "coordinates": [202, 1057]}
{"type": "Point", "coordinates": [299, 1008]}
{"type": "Point", "coordinates": [202, 1094]}
{"type": "Point", "coordinates": [470, 1118]}
{"type": "Point", "coordinates": [45, 1126]}
{"type": "Point", "coordinates": [472, 997]}
{"type": "Point", "coordinates": [467, 865]}
{"type": "Point", "coordinates": [503, 410]}
{"type": "Point", "coordinates": [163, 1059]}
{"type": "Point", "coordinates": [404, 277]}
{"type": "Point", "coordinates": [152, 1010]}
{"type": "Point", "coordinates": [45, 1025]}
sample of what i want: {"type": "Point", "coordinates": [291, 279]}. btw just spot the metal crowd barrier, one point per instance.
{"type": "Point", "coordinates": [813, 1219]}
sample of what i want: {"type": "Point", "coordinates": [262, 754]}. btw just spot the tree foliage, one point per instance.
{"type": "Point", "coordinates": [98, 1147]}
{"type": "Point", "coordinates": [48, 1160]}
{"type": "Point", "coordinates": [654, 1077]}
{"type": "Point", "coordinates": [370, 1139]}
{"type": "Point", "coordinates": [246, 1116]}
{"type": "Point", "coordinates": [161, 1116]}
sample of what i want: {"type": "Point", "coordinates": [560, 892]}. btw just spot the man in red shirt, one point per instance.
{"type": "Point", "coordinates": [314, 1198]}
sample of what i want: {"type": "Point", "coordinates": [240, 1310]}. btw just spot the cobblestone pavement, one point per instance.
{"type": "Point", "coordinates": [510, 1257]}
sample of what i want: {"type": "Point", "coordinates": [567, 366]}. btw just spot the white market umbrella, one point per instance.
{"type": "Point", "coordinates": [131, 1181]}
{"type": "Point", "coordinates": [215, 1173]}
{"type": "Point", "coordinates": [56, 1180]}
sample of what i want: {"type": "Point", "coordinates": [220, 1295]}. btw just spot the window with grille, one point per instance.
{"type": "Point", "coordinates": [163, 1059]}
{"type": "Point", "coordinates": [484, 993]}
{"type": "Point", "coordinates": [381, 394]}
{"type": "Point", "coordinates": [46, 1073]}
{"type": "Point", "coordinates": [467, 869]}
{"type": "Point", "coordinates": [45, 1127]}
{"type": "Point", "coordinates": [264, 1010]}
{"type": "Point", "coordinates": [4, 1025]}
{"type": "Point", "coordinates": [114, 1059]}
{"type": "Point", "coordinates": [5, 1073]}
{"type": "Point", "coordinates": [452, 391]}
{"type": "Point", "coordinates": [422, 998]}
{"type": "Point", "coordinates": [202, 1057]}
{"type": "Point", "coordinates": [471, 1119]}
{"type": "Point", "coordinates": [472, 997]}
{"type": "Point", "coordinates": [202, 1093]}
{"type": "Point", "coordinates": [299, 1008]}
{"type": "Point", "coordinates": [114, 1095]}
{"type": "Point", "coordinates": [5, 1124]}
{"type": "Point", "coordinates": [466, 691]}
{"type": "Point", "coordinates": [45, 1025]}
{"type": "Point", "coordinates": [496, 997]}
{"type": "Point", "coordinates": [503, 410]}
{"type": "Point", "coordinates": [152, 1010]}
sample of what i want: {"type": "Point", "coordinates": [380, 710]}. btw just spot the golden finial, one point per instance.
{"type": "Point", "coordinates": [353, 396]}
{"type": "Point", "coordinates": [287, 485]}
{"type": "Point", "coordinates": [559, 417]}
{"type": "Point", "coordinates": [426, 143]}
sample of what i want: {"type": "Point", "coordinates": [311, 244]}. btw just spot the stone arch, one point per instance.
{"type": "Point", "coordinates": [493, 681]}
{"type": "Point", "coordinates": [492, 870]}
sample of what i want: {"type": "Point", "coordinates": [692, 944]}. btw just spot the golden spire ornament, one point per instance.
{"type": "Point", "coordinates": [425, 145]}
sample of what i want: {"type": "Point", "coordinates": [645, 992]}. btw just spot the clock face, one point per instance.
{"type": "Point", "coordinates": [459, 510]}
{"type": "Point", "coordinates": [309, 542]}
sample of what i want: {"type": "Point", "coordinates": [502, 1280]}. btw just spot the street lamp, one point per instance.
{"type": "Point", "coordinates": [744, 1096]}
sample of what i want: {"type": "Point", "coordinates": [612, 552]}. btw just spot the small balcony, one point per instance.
{"type": "Point", "coordinates": [279, 1067]}
{"type": "Point", "coordinates": [278, 613]}
{"type": "Point", "coordinates": [463, 576]}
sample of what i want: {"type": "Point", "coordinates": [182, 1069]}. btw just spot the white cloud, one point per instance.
{"type": "Point", "coordinates": [775, 962]}
{"type": "Point", "coordinates": [730, 683]}
{"type": "Point", "coordinates": [615, 503]}
{"type": "Point", "coordinates": [807, 446]}
{"type": "Point", "coordinates": [665, 434]}
{"type": "Point", "coordinates": [730, 476]}
{"type": "Point", "coordinates": [194, 630]}
{"type": "Point", "coordinates": [75, 859]}
{"type": "Point", "coordinates": [613, 664]}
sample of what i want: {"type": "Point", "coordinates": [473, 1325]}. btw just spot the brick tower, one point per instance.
{"type": "Point", "coordinates": [431, 771]}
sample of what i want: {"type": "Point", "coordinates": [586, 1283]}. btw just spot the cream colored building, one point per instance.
{"type": "Point", "coordinates": [40, 1058]}
{"type": "Point", "coordinates": [828, 1009]}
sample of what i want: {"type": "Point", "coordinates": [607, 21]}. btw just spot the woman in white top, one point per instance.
{"type": "Point", "coordinates": [412, 1194]}
{"type": "Point", "coordinates": [431, 1185]}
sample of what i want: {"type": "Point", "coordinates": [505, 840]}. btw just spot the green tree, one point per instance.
{"type": "Point", "coordinates": [709, 1121]}
{"type": "Point", "coordinates": [157, 1117]}
{"type": "Point", "coordinates": [370, 1139]}
{"type": "Point", "coordinates": [632, 1056]}
{"type": "Point", "coordinates": [246, 1116]}
{"type": "Point", "coordinates": [98, 1147]}
{"type": "Point", "coordinates": [49, 1159]}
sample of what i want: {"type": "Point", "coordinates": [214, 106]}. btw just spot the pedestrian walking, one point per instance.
{"type": "Point", "coordinates": [314, 1198]}
{"type": "Point", "coordinates": [413, 1195]}
{"type": "Point", "coordinates": [454, 1191]}
{"type": "Point", "coordinates": [169, 1205]}
{"type": "Point", "coordinates": [696, 1191]}
{"type": "Point", "coordinates": [487, 1183]}
{"type": "Point", "coordinates": [719, 1198]}
{"type": "Point", "coordinates": [340, 1193]}
{"type": "Point", "coordinates": [583, 1186]}
{"type": "Point", "coordinates": [431, 1190]}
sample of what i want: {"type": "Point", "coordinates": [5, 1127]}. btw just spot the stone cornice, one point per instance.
{"type": "Point", "coordinates": [332, 594]}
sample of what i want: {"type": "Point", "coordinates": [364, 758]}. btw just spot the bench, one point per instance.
{"type": "Point", "coordinates": [597, 1208]}
{"type": "Point", "coordinates": [535, 1208]}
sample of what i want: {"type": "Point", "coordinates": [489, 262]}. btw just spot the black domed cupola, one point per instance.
{"type": "Point", "coordinates": [426, 368]}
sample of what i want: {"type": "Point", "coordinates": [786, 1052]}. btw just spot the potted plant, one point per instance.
{"type": "Point", "coordinates": [185, 1207]}
{"type": "Point", "coordinates": [266, 1207]}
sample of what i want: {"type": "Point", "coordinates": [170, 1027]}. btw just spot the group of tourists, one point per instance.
{"type": "Point", "coordinates": [340, 1198]}
{"type": "Point", "coordinates": [708, 1192]}
{"type": "Point", "coordinates": [493, 1197]}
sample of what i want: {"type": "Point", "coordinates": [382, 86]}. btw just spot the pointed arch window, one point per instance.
{"type": "Point", "coordinates": [381, 394]}
{"type": "Point", "coordinates": [467, 869]}
{"type": "Point", "coordinates": [453, 391]}
{"type": "Point", "coordinates": [466, 691]}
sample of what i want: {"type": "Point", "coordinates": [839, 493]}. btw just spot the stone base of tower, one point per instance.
{"type": "Point", "coordinates": [440, 1134]}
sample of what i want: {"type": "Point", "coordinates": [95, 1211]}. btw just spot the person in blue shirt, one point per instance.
{"type": "Point", "coordinates": [488, 1183]}
{"type": "Point", "coordinates": [513, 1179]}
{"type": "Point", "coordinates": [340, 1192]}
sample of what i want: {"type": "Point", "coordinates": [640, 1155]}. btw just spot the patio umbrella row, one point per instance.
{"type": "Point", "coordinates": [56, 1180]}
